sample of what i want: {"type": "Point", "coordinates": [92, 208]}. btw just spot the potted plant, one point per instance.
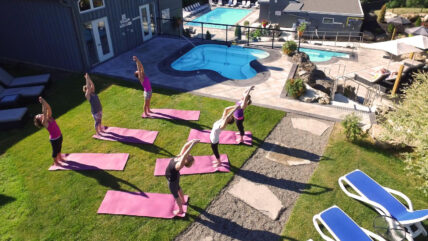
{"type": "Point", "coordinates": [238, 32]}
{"type": "Point", "coordinates": [289, 47]}
{"type": "Point", "coordinates": [295, 87]}
{"type": "Point", "coordinates": [264, 23]}
{"type": "Point", "coordinates": [300, 29]}
{"type": "Point", "coordinates": [208, 35]}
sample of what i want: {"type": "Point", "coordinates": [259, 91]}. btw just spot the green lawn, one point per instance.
{"type": "Point", "coordinates": [340, 158]}
{"type": "Point", "coordinates": [37, 204]}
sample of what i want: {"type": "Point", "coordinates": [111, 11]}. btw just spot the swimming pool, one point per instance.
{"type": "Point", "coordinates": [231, 62]}
{"type": "Point", "coordinates": [221, 15]}
{"type": "Point", "coordinates": [316, 55]}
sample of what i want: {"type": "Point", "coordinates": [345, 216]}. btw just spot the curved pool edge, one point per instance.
{"type": "Point", "coordinates": [262, 71]}
{"type": "Point", "coordinates": [353, 56]}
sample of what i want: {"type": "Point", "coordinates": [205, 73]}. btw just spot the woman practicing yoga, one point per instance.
{"type": "Point", "coordinates": [46, 120]}
{"type": "Point", "coordinates": [96, 108]}
{"type": "Point", "coordinates": [145, 82]}
{"type": "Point", "coordinates": [172, 173]}
{"type": "Point", "coordinates": [218, 126]}
{"type": "Point", "coordinates": [238, 114]}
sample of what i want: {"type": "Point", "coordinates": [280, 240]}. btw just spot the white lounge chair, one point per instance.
{"type": "Point", "coordinates": [256, 5]}
{"type": "Point", "coordinates": [9, 81]}
{"type": "Point", "coordinates": [382, 200]}
{"type": "Point", "coordinates": [230, 3]}
{"type": "Point", "coordinates": [220, 3]}
{"type": "Point", "coordinates": [212, 3]}
{"type": "Point", "coordinates": [248, 5]}
{"type": "Point", "coordinates": [243, 3]}
{"type": "Point", "coordinates": [341, 227]}
{"type": "Point", "coordinates": [235, 3]}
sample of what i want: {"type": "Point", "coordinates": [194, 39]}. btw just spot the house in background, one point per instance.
{"type": "Point", "coordinates": [78, 34]}
{"type": "Point", "coordinates": [323, 15]}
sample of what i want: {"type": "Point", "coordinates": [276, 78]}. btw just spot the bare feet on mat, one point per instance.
{"type": "Point", "coordinates": [177, 212]}
{"type": "Point", "coordinates": [216, 164]}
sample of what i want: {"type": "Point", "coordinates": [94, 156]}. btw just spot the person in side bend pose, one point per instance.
{"type": "Point", "coordinates": [218, 126]}
{"type": "Point", "coordinates": [46, 120]}
{"type": "Point", "coordinates": [238, 114]}
{"type": "Point", "coordinates": [145, 82]}
{"type": "Point", "coordinates": [172, 173]}
{"type": "Point", "coordinates": [96, 107]}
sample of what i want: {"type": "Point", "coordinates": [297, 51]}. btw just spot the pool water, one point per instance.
{"type": "Point", "coordinates": [231, 62]}
{"type": "Point", "coordinates": [221, 15]}
{"type": "Point", "coordinates": [316, 55]}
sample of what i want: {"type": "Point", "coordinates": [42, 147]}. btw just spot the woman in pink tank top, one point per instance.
{"type": "Point", "coordinates": [239, 113]}
{"type": "Point", "coordinates": [46, 120]}
{"type": "Point", "coordinates": [145, 82]}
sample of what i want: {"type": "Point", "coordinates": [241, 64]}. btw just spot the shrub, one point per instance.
{"type": "Point", "coordinates": [418, 22]}
{"type": "Point", "coordinates": [390, 28]}
{"type": "Point", "coordinates": [396, 3]}
{"type": "Point", "coordinates": [381, 16]}
{"type": "Point", "coordinates": [246, 23]}
{"type": "Point", "coordinates": [257, 33]}
{"type": "Point", "coordinates": [295, 87]}
{"type": "Point", "coordinates": [208, 35]}
{"type": "Point", "coordinates": [238, 32]}
{"type": "Point", "coordinates": [186, 32]}
{"type": "Point", "coordinates": [408, 125]}
{"type": "Point", "coordinates": [353, 131]}
{"type": "Point", "coordinates": [289, 47]}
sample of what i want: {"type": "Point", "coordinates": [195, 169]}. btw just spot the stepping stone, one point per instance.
{"type": "Point", "coordinates": [257, 196]}
{"type": "Point", "coordinates": [313, 126]}
{"type": "Point", "coordinates": [279, 154]}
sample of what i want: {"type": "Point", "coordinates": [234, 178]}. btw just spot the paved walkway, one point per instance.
{"type": "Point", "coordinates": [258, 201]}
{"type": "Point", "coordinates": [267, 94]}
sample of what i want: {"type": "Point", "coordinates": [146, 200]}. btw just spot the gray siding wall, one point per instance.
{"type": "Point", "coordinates": [129, 37]}
{"type": "Point", "coordinates": [316, 21]}
{"type": "Point", "coordinates": [38, 32]}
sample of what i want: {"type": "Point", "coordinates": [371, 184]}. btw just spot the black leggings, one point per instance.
{"type": "Point", "coordinates": [215, 150]}
{"type": "Point", "coordinates": [240, 125]}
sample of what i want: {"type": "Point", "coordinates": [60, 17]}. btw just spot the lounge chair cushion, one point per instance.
{"type": "Point", "coordinates": [342, 226]}
{"type": "Point", "coordinates": [7, 80]}
{"type": "Point", "coordinates": [11, 115]}
{"type": "Point", "coordinates": [25, 92]}
{"type": "Point", "coordinates": [375, 192]}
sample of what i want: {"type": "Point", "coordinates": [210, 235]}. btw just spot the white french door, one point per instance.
{"type": "Point", "coordinates": [145, 22]}
{"type": "Point", "coordinates": [102, 38]}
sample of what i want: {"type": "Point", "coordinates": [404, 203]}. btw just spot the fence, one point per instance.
{"type": "Point", "coordinates": [234, 34]}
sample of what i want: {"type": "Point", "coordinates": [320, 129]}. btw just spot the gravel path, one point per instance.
{"type": "Point", "coordinates": [229, 218]}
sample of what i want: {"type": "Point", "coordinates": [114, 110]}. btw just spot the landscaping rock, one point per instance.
{"type": "Point", "coordinates": [425, 18]}
{"type": "Point", "coordinates": [382, 37]}
{"type": "Point", "coordinates": [313, 95]}
{"type": "Point", "coordinates": [300, 57]}
{"type": "Point", "coordinates": [369, 36]}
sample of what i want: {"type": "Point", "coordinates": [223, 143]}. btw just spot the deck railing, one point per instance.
{"type": "Point", "coordinates": [260, 36]}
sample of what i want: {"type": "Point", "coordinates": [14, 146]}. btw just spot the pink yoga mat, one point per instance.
{"type": "Point", "coordinates": [172, 114]}
{"type": "Point", "coordinates": [202, 164]}
{"type": "Point", "coordinates": [226, 137]}
{"type": "Point", "coordinates": [93, 161]}
{"type": "Point", "coordinates": [146, 204]}
{"type": "Point", "coordinates": [127, 135]}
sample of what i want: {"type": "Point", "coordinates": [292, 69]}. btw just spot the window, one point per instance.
{"type": "Point", "coordinates": [87, 5]}
{"type": "Point", "coordinates": [328, 20]}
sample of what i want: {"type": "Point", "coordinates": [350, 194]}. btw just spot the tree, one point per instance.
{"type": "Point", "coordinates": [408, 125]}
{"type": "Point", "coordinates": [381, 16]}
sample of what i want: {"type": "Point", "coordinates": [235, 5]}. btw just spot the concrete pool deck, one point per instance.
{"type": "Point", "coordinates": [266, 94]}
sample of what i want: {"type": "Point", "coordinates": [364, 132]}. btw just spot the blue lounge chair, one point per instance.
{"type": "Point", "coordinates": [382, 200]}
{"type": "Point", "coordinates": [341, 227]}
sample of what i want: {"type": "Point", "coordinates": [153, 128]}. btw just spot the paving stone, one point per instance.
{"type": "Point", "coordinates": [313, 126]}
{"type": "Point", "coordinates": [280, 153]}
{"type": "Point", "coordinates": [257, 196]}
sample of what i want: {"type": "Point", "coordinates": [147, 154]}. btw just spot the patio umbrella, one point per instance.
{"type": "Point", "coordinates": [398, 20]}
{"type": "Point", "coordinates": [395, 47]}
{"type": "Point", "coordinates": [421, 30]}
{"type": "Point", "coordinates": [416, 41]}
